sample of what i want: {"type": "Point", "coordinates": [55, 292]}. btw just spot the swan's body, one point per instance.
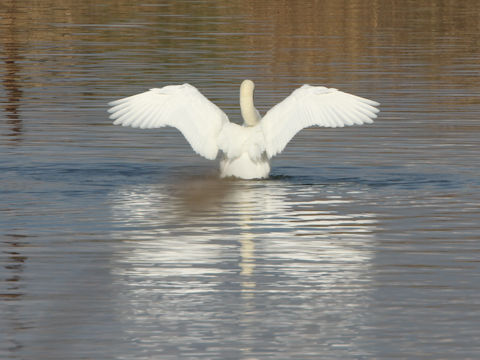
{"type": "Point", "coordinates": [248, 148]}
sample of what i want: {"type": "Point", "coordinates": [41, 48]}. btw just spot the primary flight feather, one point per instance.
{"type": "Point", "coordinates": [247, 148]}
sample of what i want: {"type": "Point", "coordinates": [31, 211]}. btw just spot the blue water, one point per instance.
{"type": "Point", "coordinates": [119, 243]}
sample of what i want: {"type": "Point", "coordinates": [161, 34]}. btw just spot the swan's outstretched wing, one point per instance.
{"type": "Point", "coordinates": [180, 106]}
{"type": "Point", "coordinates": [309, 106]}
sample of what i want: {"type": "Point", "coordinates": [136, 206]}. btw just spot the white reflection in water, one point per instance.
{"type": "Point", "coordinates": [175, 229]}
{"type": "Point", "coordinates": [255, 240]}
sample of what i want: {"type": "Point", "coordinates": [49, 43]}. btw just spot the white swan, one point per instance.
{"type": "Point", "coordinates": [248, 148]}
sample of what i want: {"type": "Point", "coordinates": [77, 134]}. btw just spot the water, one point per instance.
{"type": "Point", "coordinates": [122, 244]}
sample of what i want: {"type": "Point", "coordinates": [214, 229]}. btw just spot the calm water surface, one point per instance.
{"type": "Point", "coordinates": [119, 243]}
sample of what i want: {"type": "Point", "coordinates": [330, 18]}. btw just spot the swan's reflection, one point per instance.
{"type": "Point", "coordinates": [259, 249]}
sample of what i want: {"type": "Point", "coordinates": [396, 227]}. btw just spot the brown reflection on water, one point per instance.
{"type": "Point", "coordinates": [358, 43]}
{"type": "Point", "coordinates": [12, 289]}
{"type": "Point", "coordinates": [200, 193]}
{"type": "Point", "coordinates": [11, 75]}
{"type": "Point", "coordinates": [375, 35]}
{"type": "Point", "coordinates": [14, 267]}
{"type": "Point", "coordinates": [321, 33]}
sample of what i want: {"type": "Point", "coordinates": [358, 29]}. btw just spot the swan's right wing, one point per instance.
{"type": "Point", "coordinates": [310, 106]}
{"type": "Point", "coordinates": [180, 106]}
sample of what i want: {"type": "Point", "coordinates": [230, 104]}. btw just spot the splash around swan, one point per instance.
{"type": "Point", "coordinates": [248, 148]}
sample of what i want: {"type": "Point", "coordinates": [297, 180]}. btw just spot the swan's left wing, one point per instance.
{"type": "Point", "coordinates": [180, 106]}
{"type": "Point", "coordinates": [313, 106]}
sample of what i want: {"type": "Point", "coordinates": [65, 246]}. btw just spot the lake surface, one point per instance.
{"type": "Point", "coordinates": [117, 243]}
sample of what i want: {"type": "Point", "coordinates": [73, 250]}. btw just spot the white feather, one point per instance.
{"type": "Point", "coordinates": [234, 140]}
{"type": "Point", "coordinates": [179, 106]}
{"type": "Point", "coordinates": [313, 106]}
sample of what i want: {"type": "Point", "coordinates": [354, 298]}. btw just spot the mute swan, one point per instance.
{"type": "Point", "coordinates": [248, 148]}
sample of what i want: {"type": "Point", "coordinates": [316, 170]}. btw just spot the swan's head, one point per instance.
{"type": "Point", "coordinates": [247, 86]}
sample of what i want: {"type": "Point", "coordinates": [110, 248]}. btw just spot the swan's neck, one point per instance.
{"type": "Point", "coordinates": [249, 113]}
